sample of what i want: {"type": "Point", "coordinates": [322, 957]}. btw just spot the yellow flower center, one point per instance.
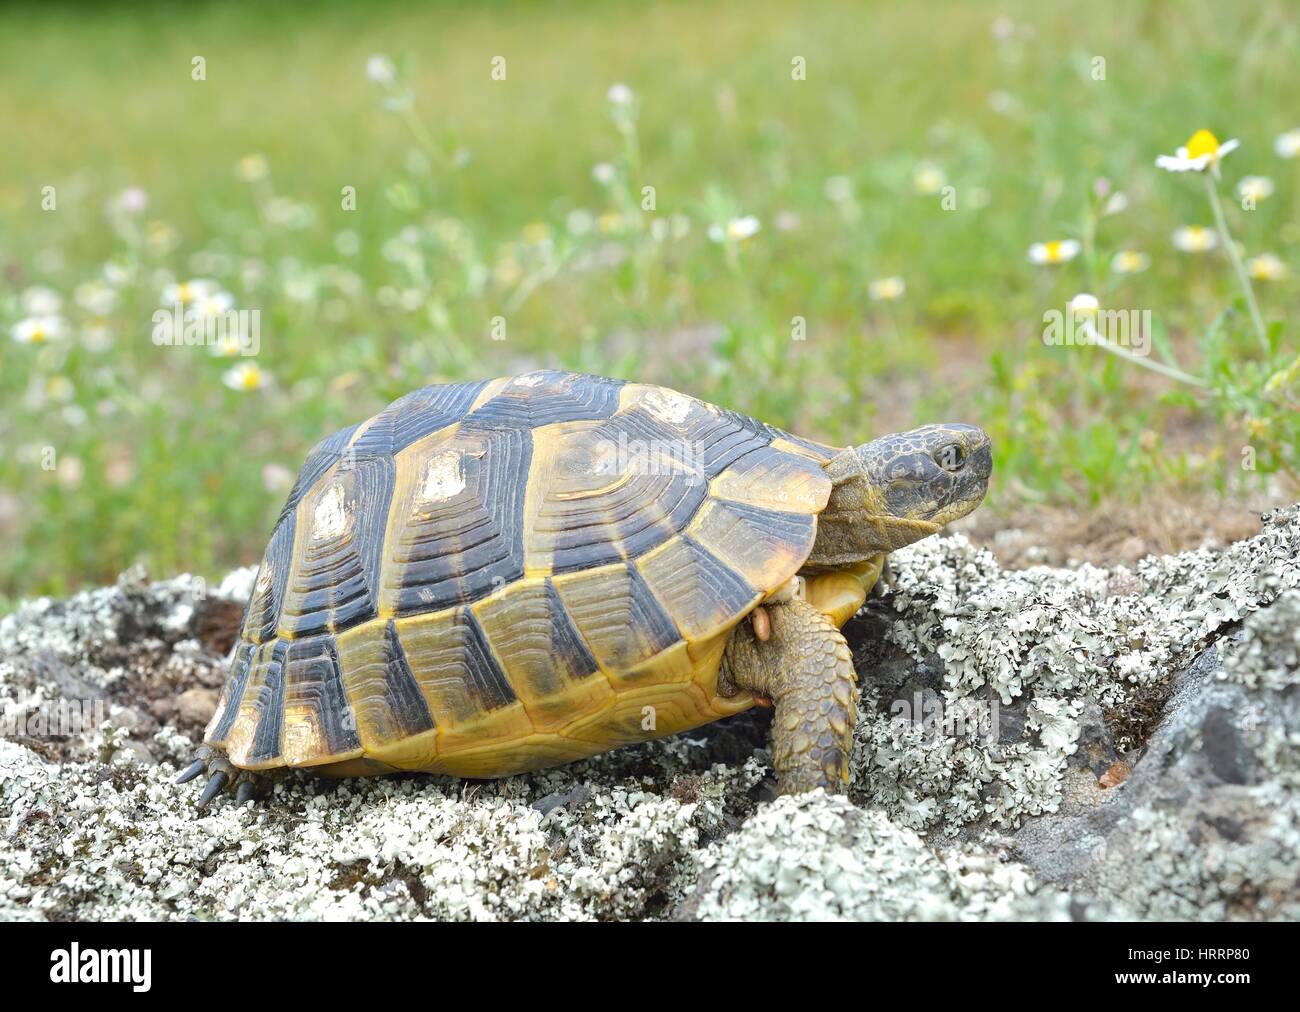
{"type": "Point", "coordinates": [38, 334]}
{"type": "Point", "coordinates": [1052, 250]}
{"type": "Point", "coordinates": [251, 379]}
{"type": "Point", "coordinates": [1202, 143]}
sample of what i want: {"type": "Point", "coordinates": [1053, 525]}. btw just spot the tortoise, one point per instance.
{"type": "Point", "coordinates": [495, 577]}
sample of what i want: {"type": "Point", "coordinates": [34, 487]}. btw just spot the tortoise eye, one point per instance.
{"type": "Point", "coordinates": [951, 457]}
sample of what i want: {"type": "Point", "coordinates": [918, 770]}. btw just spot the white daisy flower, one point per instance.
{"type": "Point", "coordinates": [1115, 204]}
{"type": "Point", "coordinates": [276, 478]}
{"type": "Point", "coordinates": [132, 200]}
{"type": "Point", "coordinates": [41, 301]}
{"type": "Point", "coordinates": [186, 292]}
{"type": "Point", "coordinates": [1083, 304]}
{"type": "Point", "coordinates": [838, 189]}
{"type": "Point", "coordinates": [38, 329]}
{"type": "Point", "coordinates": [579, 221]}
{"type": "Point", "coordinates": [210, 304]}
{"type": "Point", "coordinates": [96, 335]}
{"type": "Point", "coordinates": [347, 242]}
{"type": "Point", "coordinates": [1129, 261]}
{"type": "Point", "coordinates": [1057, 251]}
{"type": "Point", "coordinates": [736, 230]}
{"type": "Point", "coordinates": [1266, 267]}
{"type": "Point", "coordinates": [95, 297]}
{"type": "Point", "coordinates": [60, 388]}
{"type": "Point", "coordinates": [1287, 145]}
{"type": "Point", "coordinates": [886, 289]}
{"type": "Point", "coordinates": [1255, 188]}
{"type": "Point", "coordinates": [228, 345]}
{"type": "Point", "coordinates": [251, 168]}
{"type": "Point", "coordinates": [928, 179]}
{"type": "Point", "coordinates": [380, 69]}
{"type": "Point", "coordinates": [1195, 239]}
{"type": "Point", "coordinates": [619, 94]}
{"type": "Point", "coordinates": [1003, 103]}
{"type": "Point", "coordinates": [160, 237]}
{"type": "Point", "coordinates": [117, 274]}
{"type": "Point", "coordinates": [604, 173]}
{"type": "Point", "coordinates": [1201, 151]}
{"type": "Point", "coordinates": [69, 471]}
{"type": "Point", "coordinates": [246, 376]}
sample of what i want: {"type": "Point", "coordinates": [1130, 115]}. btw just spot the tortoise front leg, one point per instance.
{"type": "Point", "coordinates": [806, 669]}
{"type": "Point", "coordinates": [840, 593]}
{"type": "Point", "coordinates": [221, 773]}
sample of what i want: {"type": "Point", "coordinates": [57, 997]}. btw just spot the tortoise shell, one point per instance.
{"type": "Point", "coordinates": [488, 578]}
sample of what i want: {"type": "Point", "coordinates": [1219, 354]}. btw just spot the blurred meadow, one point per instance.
{"type": "Point", "coordinates": [852, 206]}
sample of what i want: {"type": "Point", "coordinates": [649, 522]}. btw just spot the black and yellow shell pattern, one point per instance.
{"type": "Point", "coordinates": [487, 578]}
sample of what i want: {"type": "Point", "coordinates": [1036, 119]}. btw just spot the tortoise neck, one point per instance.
{"type": "Point", "coordinates": [857, 524]}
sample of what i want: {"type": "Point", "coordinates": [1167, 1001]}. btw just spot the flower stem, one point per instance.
{"type": "Point", "coordinates": [1146, 363]}
{"type": "Point", "coordinates": [420, 132]}
{"type": "Point", "coordinates": [1089, 248]}
{"type": "Point", "coordinates": [1256, 320]}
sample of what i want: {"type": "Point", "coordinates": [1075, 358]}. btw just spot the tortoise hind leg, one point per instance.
{"type": "Point", "coordinates": [806, 669]}
{"type": "Point", "coordinates": [221, 773]}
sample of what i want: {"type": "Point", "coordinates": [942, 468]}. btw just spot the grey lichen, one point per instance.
{"type": "Point", "coordinates": [121, 841]}
{"type": "Point", "coordinates": [1268, 654]}
{"type": "Point", "coordinates": [1038, 645]}
{"type": "Point", "coordinates": [815, 857]}
{"type": "Point", "coordinates": [1208, 825]}
{"type": "Point", "coordinates": [1085, 671]}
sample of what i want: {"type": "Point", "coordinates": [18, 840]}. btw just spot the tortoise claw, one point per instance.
{"type": "Point", "coordinates": [213, 788]}
{"type": "Point", "coordinates": [222, 774]}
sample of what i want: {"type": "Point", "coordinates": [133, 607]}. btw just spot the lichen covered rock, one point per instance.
{"type": "Point", "coordinates": [815, 857]}
{"type": "Point", "coordinates": [1040, 743]}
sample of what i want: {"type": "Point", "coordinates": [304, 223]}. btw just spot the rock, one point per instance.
{"type": "Point", "coordinates": [162, 708]}
{"type": "Point", "coordinates": [1096, 746]}
{"type": "Point", "coordinates": [131, 720]}
{"type": "Point", "coordinates": [817, 858]}
{"type": "Point", "coordinates": [1208, 823]}
{"type": "Point", "coordinates": [135, 751]}
{"type": "Point", "coordinates": [196, 706]}
{"type": "Point", "coordinates": [1000, 710]}
{"type": "Point", "coordinates": [551, 802]}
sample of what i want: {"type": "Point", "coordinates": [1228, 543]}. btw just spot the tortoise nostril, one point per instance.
{"type": "Point", "coordinates": [951, 457]}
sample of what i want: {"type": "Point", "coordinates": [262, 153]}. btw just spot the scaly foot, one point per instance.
{"type": "Point", "coordinates": [221, 773]}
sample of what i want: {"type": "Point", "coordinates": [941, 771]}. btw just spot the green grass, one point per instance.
{"type": "Point", "coordinates": [155, 460]}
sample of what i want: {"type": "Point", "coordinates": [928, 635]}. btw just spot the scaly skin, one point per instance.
{"type": "Point", "coordinates": [806, 669]}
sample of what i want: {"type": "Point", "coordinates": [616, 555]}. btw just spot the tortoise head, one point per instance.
{"type": "Point", "coordinates": [899, 489]}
